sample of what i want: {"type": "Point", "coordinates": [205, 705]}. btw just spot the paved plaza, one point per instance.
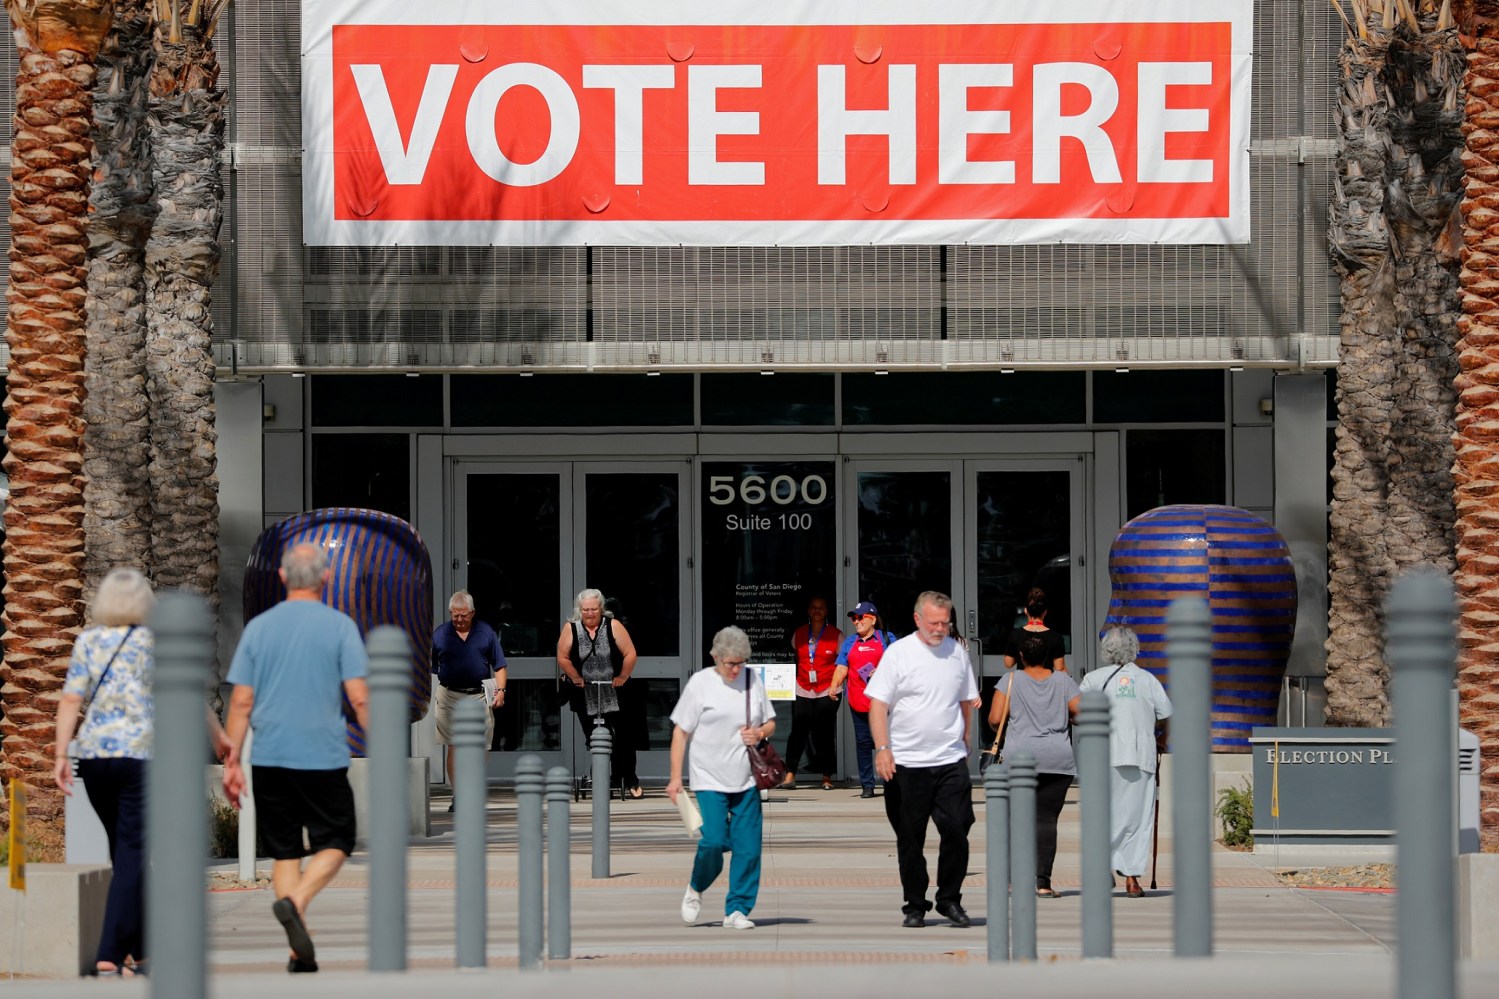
{"type": "Point", "coordinates": [829, 919]}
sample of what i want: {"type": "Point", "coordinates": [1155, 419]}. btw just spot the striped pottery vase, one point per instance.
{"type": "Point", "coordinates": [1240, 564]}
{"type": "Point", "coordinates": [381, 574]}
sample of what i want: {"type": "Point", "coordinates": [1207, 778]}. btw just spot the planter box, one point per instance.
{"type": "Point", "coordinates": [54, 924]}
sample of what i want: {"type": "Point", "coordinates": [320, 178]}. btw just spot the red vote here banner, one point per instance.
{"type": "Point", "coordinates": [458, 122]}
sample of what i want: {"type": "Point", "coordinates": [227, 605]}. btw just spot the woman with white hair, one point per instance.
{"type": "Point", "coordinates": [109, 685]}
{"type": "Point", "coordinates": [723, 711]}
{"type": "Point", "coordinates": [596, 657]}
{"type": "Point", "coordinates": [1138, 709]}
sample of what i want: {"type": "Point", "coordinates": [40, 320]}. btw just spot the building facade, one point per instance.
{"type": "Point", "coordinates": [715, 433]}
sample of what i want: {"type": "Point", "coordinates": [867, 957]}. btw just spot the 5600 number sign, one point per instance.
{"type": "Point", "coordinates": [753, 490]}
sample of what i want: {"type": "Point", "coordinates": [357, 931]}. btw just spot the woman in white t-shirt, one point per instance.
{"type": "Point", "coordinates": [722, 712]}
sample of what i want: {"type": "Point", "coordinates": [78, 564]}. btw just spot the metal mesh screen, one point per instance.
{"type": "Point", "coordinates": [283, 306]}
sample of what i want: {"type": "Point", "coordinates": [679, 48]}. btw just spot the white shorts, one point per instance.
{"type": "Point", "coordinates": [446, 701]}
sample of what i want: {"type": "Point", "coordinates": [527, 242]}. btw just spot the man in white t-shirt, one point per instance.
{"type": "Point", "coordinates": [919, 704]}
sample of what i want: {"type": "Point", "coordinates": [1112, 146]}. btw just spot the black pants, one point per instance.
{"type": "Point", "coordinates": [814, 730]}
{"type": "Point", "coordinates": [117, 790]}
{"type": "Point", "coordinates": [624, 731]}
{"type": "Point", "coordinates": [943, 795]}
{"type": "Point", "coordinates": [1051, 794]}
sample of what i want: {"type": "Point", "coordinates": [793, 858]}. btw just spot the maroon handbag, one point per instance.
{"type": "Point", "coordinates": [765, 763]}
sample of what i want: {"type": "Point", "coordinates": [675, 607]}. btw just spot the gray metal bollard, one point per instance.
{"type": "Point", "coordinates": [176, 819]}
{"type": "Point", "coordinates": [1189, 655]}
{"type": "Point", "coordinates": [387, 745]}
{"type": "Point", "coordinates": [1092, 737]}
{"type": "Point", "coordinates": [559, 865]}
{"type": "Point", "coordinates": [997, 842]}
{"type": "Point", "coordinates": [470, 794]}
{"type": "Point", "coordinates": [1422, 653]}
{"type": "Point", "coordinates": [528, 791]}
{"type": "Point", "coordinates": [1022, 767]}
{"type": "Point", "coordinates": [602, 746]}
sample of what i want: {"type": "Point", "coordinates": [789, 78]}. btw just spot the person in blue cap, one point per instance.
{"type": "Point", "coordinates": [858, 657]}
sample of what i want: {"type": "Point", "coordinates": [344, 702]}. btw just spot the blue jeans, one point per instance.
{"type": "Point", "coordinates": [864, 747]}
{"type": "Point", "coordinates": [731, 824]}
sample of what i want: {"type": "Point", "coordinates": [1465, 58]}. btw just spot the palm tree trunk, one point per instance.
{"type": "Point", "coordinates": [57, 42]}
{"type": "Point", "coordinates": [1477, 469]}
{"type": "Point", "coordinates": [182, 261]}
{"type": "Point", "coordinates": [1395, 244]}
{"type": "Point", "coordinates": [1359, 562]}
{"type": "Point", "coordinates": [117, 507]}
{"type": "Point", "coordinates": [1424, 76]}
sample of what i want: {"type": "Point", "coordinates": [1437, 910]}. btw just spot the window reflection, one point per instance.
{"type": "Point", "coordinates": [905, 541]}
{"type": "Point", "coordinates": [634, 544]}
{"type": "Point", "coordinates": [660, 697]}
{"type": "Point", "coordinates": [514, 572]}
{"type": "Point", "coordinates": [1024, 526]}
{"type": "Point", "coordinates": [531, 720]}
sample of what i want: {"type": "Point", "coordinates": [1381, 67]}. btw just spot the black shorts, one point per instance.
{"type": "Point", "coordinates": [287, 801]}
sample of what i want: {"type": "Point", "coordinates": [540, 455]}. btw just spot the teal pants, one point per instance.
{"type": "Point", "coordinates": [731, 824]}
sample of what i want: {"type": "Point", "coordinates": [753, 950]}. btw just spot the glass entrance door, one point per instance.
{"type": "Point", "coordinates": [1024, 529]}
{"type": "Point", "coordinates": [514, 536]}
{"type": "Point", "coordinates": [985, 531]}
{"type": "Point", "coordinates": [531, 536]}
{"type": "Point", "coordinates": [631, 533]}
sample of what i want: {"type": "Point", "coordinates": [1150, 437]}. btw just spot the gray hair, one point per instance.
{"type": "Point", "coordinates": [124, 597]}
{"type": "Point", "coordinates": [1119, 645]}
{"type": "Point", "coordinates": [588, 594]}
{"type": "Point", "coordinates": [461, 599]}
{"type": "Point", "coordinates": [304, 565]}
{"type": "Point", "coordinates": [936, 598]}
{"type": "Point", "coordinates": [730, 643]}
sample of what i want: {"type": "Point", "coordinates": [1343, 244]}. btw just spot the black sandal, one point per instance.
{"type": "Point", "coordinates": [636, 791]}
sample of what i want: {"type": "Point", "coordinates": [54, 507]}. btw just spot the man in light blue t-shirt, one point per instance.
{"type": "Point", "coordinates": [293, 667]}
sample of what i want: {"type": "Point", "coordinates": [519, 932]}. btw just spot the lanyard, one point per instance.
{"type": "Point", "coordinates": [812, 643]}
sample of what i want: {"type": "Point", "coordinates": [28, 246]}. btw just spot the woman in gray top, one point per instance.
{"type": "Point", "coordinates": [1040, 704]}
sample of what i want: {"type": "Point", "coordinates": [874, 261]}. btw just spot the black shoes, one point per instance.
{"type": "Point", "coordinates": [913, 920]}
{"type": "Point", "coordinates": [955, 914]}
{"type": "Point", "coordinates": [868, 792]}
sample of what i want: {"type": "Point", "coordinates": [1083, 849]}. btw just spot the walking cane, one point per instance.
{"type": "Point", "coordinates": [1155, 835]}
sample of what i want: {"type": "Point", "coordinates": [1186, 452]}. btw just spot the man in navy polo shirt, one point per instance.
{"type": "Point", "coordinates": [465, 653]}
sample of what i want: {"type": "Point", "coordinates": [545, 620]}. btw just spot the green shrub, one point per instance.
{"type": "Point", "coordinates": [1236, 812]}
{"type": "Point", "coordinates": [223, 829]}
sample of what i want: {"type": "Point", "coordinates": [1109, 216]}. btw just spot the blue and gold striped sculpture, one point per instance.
{"type": "Point", "coordinates": [380, 574]}
{"type": "Point", "coordinates": [1240, 564]}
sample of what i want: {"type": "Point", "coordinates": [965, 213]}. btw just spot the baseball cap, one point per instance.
{"type": "Point", "coordinates": [863, 607]}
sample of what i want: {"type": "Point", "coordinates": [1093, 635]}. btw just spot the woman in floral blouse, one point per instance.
{"type": "Point", "coordinates": [109, 683]}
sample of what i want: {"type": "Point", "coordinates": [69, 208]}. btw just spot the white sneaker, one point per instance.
{"type": "Point", "coordinates": [692, 904]}
{"type": "Point", "coordinates": [737, 921]}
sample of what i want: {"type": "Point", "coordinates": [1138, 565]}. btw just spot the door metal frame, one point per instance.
{"type": "Point", "coordinates": [654, 762]}
{"type": "Point", "coordinates": [502, 765]}
{"type": "Point", "coordinates": [963, 469]}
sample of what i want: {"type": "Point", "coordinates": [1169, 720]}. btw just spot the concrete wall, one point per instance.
{"type": "Point", "coordinates": [51, 930]}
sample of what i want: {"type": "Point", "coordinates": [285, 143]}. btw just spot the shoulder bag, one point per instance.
{"type": "Point", "coordinates": [89, 701]}
{"type": "Point", "coordinates": [765, 763]}
{"type": "Point", "coordinates": [994, 753]}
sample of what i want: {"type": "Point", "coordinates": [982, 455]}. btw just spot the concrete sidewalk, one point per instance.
{"type": "Point", "coordinates": [829, 908]}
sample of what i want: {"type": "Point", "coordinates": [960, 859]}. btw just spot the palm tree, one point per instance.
{"type": "Point", "coordinates": [182, 260]}
{"type": "Point", "coordinates": [117, 497]}
{"type": "Point", "coordinates": [1477, 438]}
{"type": "Point", "coordinates": [1398, 183]}
{"type": "Point", "coordinates": [57, 42]}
